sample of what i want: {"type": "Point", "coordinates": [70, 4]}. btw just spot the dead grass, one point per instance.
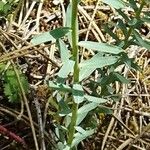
{"type": "Point", "coordinates": [128, 127]}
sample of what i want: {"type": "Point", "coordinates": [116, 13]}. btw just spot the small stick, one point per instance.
{"type": "Point", "coordinates": [12, 136]}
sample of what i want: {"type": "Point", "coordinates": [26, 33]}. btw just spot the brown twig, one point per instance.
{"type": "Point", "coordinates": [12, 136]}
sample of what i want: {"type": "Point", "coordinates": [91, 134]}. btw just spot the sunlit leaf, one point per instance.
{"type": "Point", "coordinates": [80, 117]}
{"type": "Point", "coordinates": [42, 38]}
{"type": "Point", "coordinates": [88, 66]}
{"type": "Point", "coordinates": [65, 70]}
{"type": "Point", "coordinates": [50, 36]}
{"type": "Point", "coordinates": [59, 86]}
{"type": "Point", "coordinates": [78, 93]}
{"type": "Point", "coordinates": [64, 52]}
{"type": "Point", "coordinates": [115, 3]}
{"type": "Point", "coordinates": [87, 107]}
{"type": "Point", "coordinates": [68, 21]}
{"type": "Point", "coordinates": [95, 99]}
{"type": "Point", "coordinates": [101, 47]}
{"type": "Point", "coordinates": [81, 135]}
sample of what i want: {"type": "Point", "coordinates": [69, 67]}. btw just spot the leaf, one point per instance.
{"type": "Point", "coordinates": [103, 110]}
{"type": "Point", "coordinates": [42, 38]}
{"type": "Point", "coordinates": [111, 78]}
{"type": "Point", "coordinates": [146, 19]}
{"type": "Point", "coordinates": [50, 36]}
{"type": "Point", "coordinates": [109, 31]}
{"type": "Point", "coordinates": [81, 135]}
{"type": "Point", "coordinates": [88, 66]}
{"type": "Point", "coordinates": [133, 5]}
{"type": "Point", "coordinates": [120, 78]}
{"type": "Point", "coordinates": [64, 52]}
{"type": "Point", "coordinates": [1, 5]}
{"type": "Point", "coordinates": [59, 86]}
{"type": "Point", "coordinates": [95, 99]}
{"type": "Point", "coordinates": [78, 93]}
{"type": "Point", "coordinates": [65, 70]}
{"type": "Point", "coordinates": [141, 42]}
{"type": "Point", "coordinates": [80, 117]}
{"type": "Point", "coordinates": [115, 3]}
{"type": "Point", "coordinates": [68, 21]}
{"type": "Point", "coordinates": [65, 110]}
{"type": "Point", "coordinates": [101, 47]}
{"type": "Point", "coordinates": [6, 8]}
{"type": "Point", "coordinates": [124, 16]}
{"type": "Point", "coordinates": [122, 26]}
{"type": "Point", "coordinates": [11, 86]}
{"type": "Point", "coordinates": [60, 32]}
{"type": "Point", "coordinates": [87, 108]}
{"type": "Point", "coordinates": [85, 72]}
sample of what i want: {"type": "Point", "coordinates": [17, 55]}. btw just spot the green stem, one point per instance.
{"type": "Point", "coordinates": [72, 124]}
{"type": "Point", "coordinates": [74, 26]}
{"type": "Point", "coordinates": [75, 52]}
{"type": "Point", "coordinates": [127, 37]}
{"type": "Point", "coordinates": [140, 9]}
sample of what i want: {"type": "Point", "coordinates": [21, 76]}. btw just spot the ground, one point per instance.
{"type": "Point", "coordinates": [128, 125]}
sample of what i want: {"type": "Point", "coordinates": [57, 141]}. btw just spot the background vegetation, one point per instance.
{"type": "Point", "coordinates": [74, 75]}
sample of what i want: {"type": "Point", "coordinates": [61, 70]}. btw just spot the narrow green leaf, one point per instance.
{"type": "Point", "coordinates": [64, 52]}
{"type": "Point", "coordinates": [81, 135]}
{"type": "Point", "coordinates": [120, 78]}
{"type": "Point", "coordinates": [66, 148]}
{"type": "Point", "coordinates": [88, 66]}
{"type": "Point", "coordinates": [85, 72]}
{"type": "Point", "coordinates": [133, 5]}
{"type": "Point", "coordinates": [122, 26]}
{"type": "Point", "coordinates": [60, 32]}
{"type": "Point", "coordinates": [82, 131]}
{"type": "Point", "coordinates": [109, 31]}
{"type": "Point", "coordinates": [95, 99]}
{"type": "Point", "coordinates": [115, 3]}
{"type": "Point", "coordinates": [101, 47]}
{"type": "Point", "coordinates": [68, 21]}
{"type": "Point", "coordinates": [42, 38]}
{"type": "Point", "coordinates": [59, 86]}
{"type": "Point", "coordinates": [103, 110]}
{"type": "Point", "coordinates": [50, 36]}
{"type": "Point", "coordinates": [65, 110]}
{"type": "Point", "coordinates": [65, 70]}
{"type": "Point", "coordinates": [123, 15]}
{"type": "Point", "coordinates": [146, 19]}
{"type": "Point", "coordinates": [80, 117]}
{"type": "Point", "coordinates": [78, 93]}
{"type": "Point", "coordinates": [142, 42]}
{"type": "Point", "coordinates": [87, 107]}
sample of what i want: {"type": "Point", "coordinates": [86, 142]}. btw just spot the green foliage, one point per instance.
{"type": "Point", "coordinates": [75, 104]}
{"type": "Point", "coordinates": [11, 84]}
{"type": "Point", "coordinates": [6, 7]}
{"type": "Point", "coordinates": [115, 3]}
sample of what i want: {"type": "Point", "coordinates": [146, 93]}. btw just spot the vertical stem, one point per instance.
{"type": "Point", "coordinates": [74, 27]}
